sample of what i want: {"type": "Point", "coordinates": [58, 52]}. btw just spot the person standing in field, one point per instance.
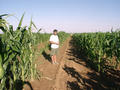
{"type": "Point", "coordinates": [54, 41]}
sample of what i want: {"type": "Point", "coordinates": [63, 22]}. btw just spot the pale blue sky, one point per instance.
{"type": "Point", "coordinates": [66, 15]}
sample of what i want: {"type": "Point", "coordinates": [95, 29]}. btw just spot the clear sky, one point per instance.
{"type": "Point", "coordinates": [65, 15]}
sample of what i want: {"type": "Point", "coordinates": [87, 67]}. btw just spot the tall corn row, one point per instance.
{"type": "Point", "coordinates": [63, 36]}
{"type": "Point", "coordinates": [16, 54]}
{"type": "Point", "coordinates": [99, 48]}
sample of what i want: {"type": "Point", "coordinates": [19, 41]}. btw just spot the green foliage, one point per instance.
{"type": "Point", "coordinates": [41, 37]}
{"type": "Point", "coordinates": [16, 54]}
{"type": "Point", "coordinates": [63, 36]}
{"type": "Point", "coordinates": [99, 48]}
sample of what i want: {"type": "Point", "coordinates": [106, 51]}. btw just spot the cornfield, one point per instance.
{"type": "Point", "coordinates": [101, 49]}
{"type": "Point", "coordinates": [17, 55]}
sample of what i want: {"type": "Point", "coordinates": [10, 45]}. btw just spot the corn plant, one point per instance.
{"type": "Point", "coordinates": [99, 48]}
{"type": "Point", "coordinates": [63, 36]}
{"type": "Point", "coordinates": [16, 54]}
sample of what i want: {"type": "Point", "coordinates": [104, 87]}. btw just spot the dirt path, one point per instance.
{"type": "Point", "coordinates": [72, 73]}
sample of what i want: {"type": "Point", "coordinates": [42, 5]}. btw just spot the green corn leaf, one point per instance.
{"type": "Point", "coordinates": [21, 20]}
{"type": "Point", "coordinates": [3, 15]}
{"type": "Point", "coordinates": [34, 25]}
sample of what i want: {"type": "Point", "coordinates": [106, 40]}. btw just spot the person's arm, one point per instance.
{"type": "Point", "coordinates": [54, 43]}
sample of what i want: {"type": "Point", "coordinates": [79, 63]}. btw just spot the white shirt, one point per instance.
{"type": "Point", "coordinates": [54, 38]}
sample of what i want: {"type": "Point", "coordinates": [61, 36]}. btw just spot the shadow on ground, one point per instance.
{"type": "Point", "coordinates": [46, 56]}
{"type": "Point", "coordinates": [19, 85]}
{"type": "Point", "coordinates": [109, 80]}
